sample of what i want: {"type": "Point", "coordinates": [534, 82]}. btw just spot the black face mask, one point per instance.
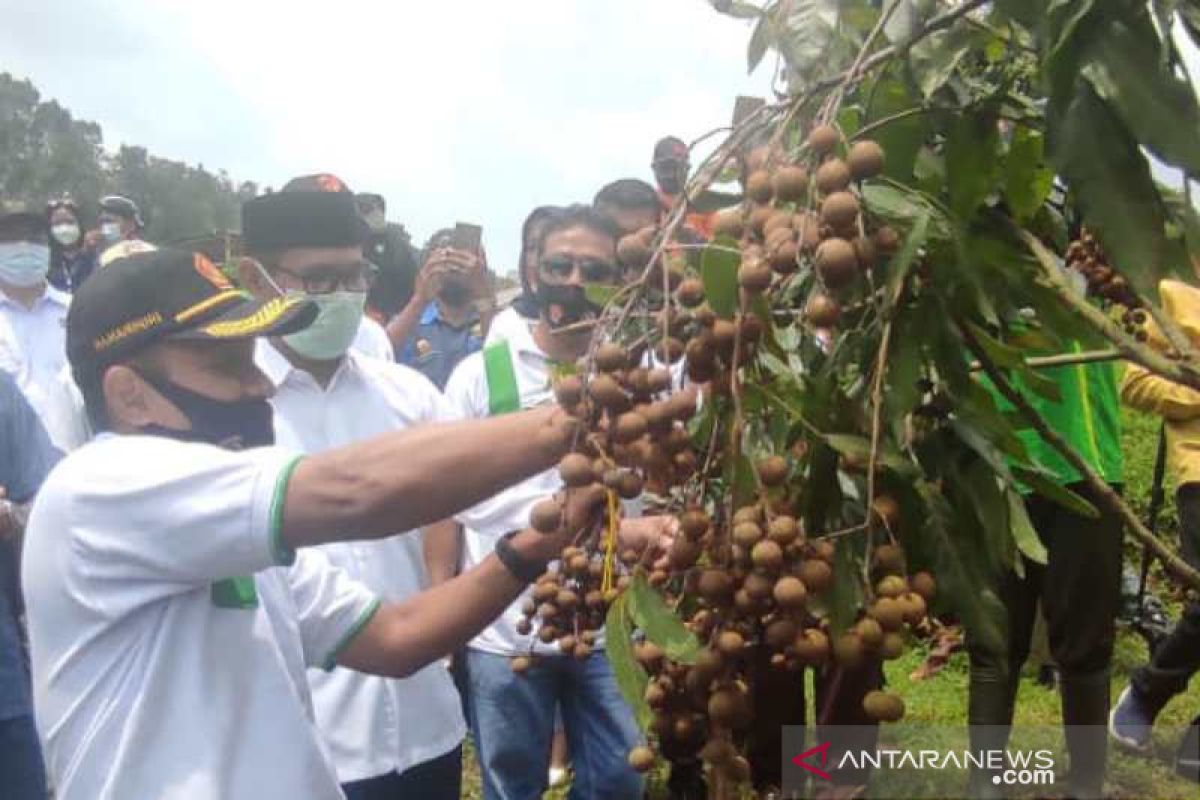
{"type": "Point", "coordinates": [454, 293]}
{"type": "Point", "coordinates": [670, 179]}
{"type": "Point", "coordinates": [563, 304]}
{"type": "Point", "coordinates": [237, 425]}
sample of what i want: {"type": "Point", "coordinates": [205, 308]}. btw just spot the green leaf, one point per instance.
{"type": "Point", "coordinates": [905, 257]}
{"type": "Point", "coordinates": [760, 41]}
{"type": "Point", "coordinates": [963, 588]}
{"type": "Point", "coordinates": [902, 207]}
{"type": "Point", "coordinates": [1046, 486]}
{"type": "Point", "coordinates": [1027, 181]}
{"type": "Point", "coordinates": [1023, 532]}
{"type": "Point", "coordinates": [859, 448]}
{"type": "Point", "coordinates": [1000, 354]}
{"type": "Point", "coordinates": [1108, 174]}
{"type": "Point", "coordinates": [808, 33]}
{"type": "Point", "coordinates": [934, 58]}
{"type": "Point", "coordinates": [660, 624]}
{"type": "Point", "coordinates": [971, 161]}
{"type": "Point", "coordinates": [1156, 105]}
{"type": "Point", "coordinates": [845, 597]}
{"type": "Point", "coordinates": [600, 293]}
{"type": "Point", "coordinates": [737, 10]}
{"type": "Point", "coordinates": [901, 139]}
{"type": "Point", "coordinates": [618, 647]}
{"type": "Point", "coordinates": [718, 272]}
{"type": "Point", "coordinates": [712, 200]}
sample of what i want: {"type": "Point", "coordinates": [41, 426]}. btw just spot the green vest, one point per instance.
{"type": "Point", "coordinates": [1088, 418]}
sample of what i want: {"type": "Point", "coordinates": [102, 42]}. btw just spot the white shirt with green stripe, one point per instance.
{"type": "Point", "coordinates": [372, 725]}
{"type": "Point", "coordinates": [169, 649]}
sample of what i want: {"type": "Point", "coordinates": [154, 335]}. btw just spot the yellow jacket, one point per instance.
{"type": "Point", "coordinates": [1178, 405]}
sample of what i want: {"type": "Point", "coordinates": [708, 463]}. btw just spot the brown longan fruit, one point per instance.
{"type": "Point", "coordinates": [690, 292]}
{"type": "Point", "coordinates": [546, 516]}
{"type": "Point", "coordinates": [839, 210]}
{"type": "Point", "coordinates": [823, 139]}
{"type": "Point", "coordinates": [865, 159]}
{"type": "Point", "coordinates": [611, 357]}
{"type": "Point", "coordinates": [837, 262]}
{"type": "Point", "coordinates": [575, 469]}
{"type": "Point", "coordinates": [790, 184]}
{"type": "Point", "coordinates": [641, 758]}
{"type": "Point", "coordinates": [773, 470]}
{"type": "Point", "coordinates": [758, 186]}
{"type": "Point", "coordinates": [832, 176]}
{"type": "Point", "coordinates": [822, 311]}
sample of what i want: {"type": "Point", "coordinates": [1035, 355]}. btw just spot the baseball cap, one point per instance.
{"type": "Point", "coordinates": [147, 298]}
{"type": "Point", "coordinates": [123, 207]}
{"type": "Point", "coordinates": [13, 211]}
{"type": "Point", "coordinates": [670, 148]}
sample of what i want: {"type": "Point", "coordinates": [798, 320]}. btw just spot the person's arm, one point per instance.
{"type": "Point", "coordinates": [404, 480]}
{"type": "Point", "coordinates": [425, 287]}
{"type": "Point", "coordinates": [1144, 391]}
{"type": "Point", "coordinates": [401, 638]}
{"type": "Point", "coordinates": [441, 544]}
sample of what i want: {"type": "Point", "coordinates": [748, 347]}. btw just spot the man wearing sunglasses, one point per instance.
{"type": "Point", "coordinates": [512, 716]}
{"type": "Point", "coordinates": [388, 737]}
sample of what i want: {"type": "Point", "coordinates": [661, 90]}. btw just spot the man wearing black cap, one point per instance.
{"type": "Point", "coordinates": [31, 310]}
{"type": "Point", "coordinates": [389, 247]}
{"type": "Point", "coordinates": [168, 654]}
{"type": "Point", "coordinates": [308, 238]}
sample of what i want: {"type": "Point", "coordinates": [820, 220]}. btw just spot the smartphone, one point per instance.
{"type": "Point", "coordinates": [744, 106]}
{"type": "Point", "coordinates": [467, 237]}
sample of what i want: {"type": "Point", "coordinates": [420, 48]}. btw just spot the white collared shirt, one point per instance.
{"type": "Point", "coordinates": [153, 675]}
{"type": "Point", "coordinates": [40, 333]}
{"type": "Point", "coordinates": [373, 340]}
{"type": "Point", "coordinates": [483, 524]}
{"type": "Point", "coordinates": [372, 725]}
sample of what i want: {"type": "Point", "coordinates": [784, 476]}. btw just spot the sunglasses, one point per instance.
{"type": "Point", "coordinates": [592, 270]}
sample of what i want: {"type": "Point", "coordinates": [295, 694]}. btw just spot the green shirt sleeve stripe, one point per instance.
{"type": "Point", "coordinates": [331, 660]}
{"type": "Point", "coordinates": [503, 394]}
{"type": "Point", "coordinates": [283, 555]}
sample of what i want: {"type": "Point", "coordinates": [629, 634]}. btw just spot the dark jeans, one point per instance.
{"type": "Point", "coordinates": [1080, 591]}
{"type": "Point", "coordinates": [437, 779]}
{"type": "Point", "coordinates": [1177, 658]}
{"type": "Point", "coordinates": [22, 772]}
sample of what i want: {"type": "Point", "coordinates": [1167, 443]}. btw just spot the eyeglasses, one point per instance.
{"type": "Point", "coordinates": [592, 270]}
{"type": "Point", "coordinates": [327, 278]}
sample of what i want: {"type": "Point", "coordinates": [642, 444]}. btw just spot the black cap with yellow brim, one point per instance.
{"type": "Point", "coordinates": [147, 298]}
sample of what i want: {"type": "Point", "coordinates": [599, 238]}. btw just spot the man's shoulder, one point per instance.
{"type": "Point", "coordinates": [396, 379]}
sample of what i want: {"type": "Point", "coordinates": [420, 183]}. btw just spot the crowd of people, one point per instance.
{"type": "Point", "coordinates": [265, 524]}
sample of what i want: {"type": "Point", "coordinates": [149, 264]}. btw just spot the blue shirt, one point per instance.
{"type": "Point", "coordinates": [436, 346]}
{"type": "Point", "coordinates": [26, 457]}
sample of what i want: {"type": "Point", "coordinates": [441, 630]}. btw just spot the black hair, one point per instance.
{"type": "Point", "coordinates": [525, 304]}
{"type": "Point", "coordinates": [628, 193]}
{"type": "Point", "coordinates": [578, 216]}
{"type": "Point", "coordinates": [440, 238]}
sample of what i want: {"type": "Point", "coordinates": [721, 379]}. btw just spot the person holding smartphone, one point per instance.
{"type": "Point", "coordinates": [452, 305]}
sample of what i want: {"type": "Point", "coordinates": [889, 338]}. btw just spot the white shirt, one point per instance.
{"type": "Point", "coordinates": [148, 681]}
{"type": "Point", "coordinates": [483, 524]}
{"type": "Point", "coordinates": [373, 340]}
{"type": "Point", "coordinates": [372, 725]}
{"type": "Point", "coordinates": [41, 340]}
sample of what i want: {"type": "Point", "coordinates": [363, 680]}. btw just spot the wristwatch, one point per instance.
{"type": "Point", "coordinates": [522, 567]}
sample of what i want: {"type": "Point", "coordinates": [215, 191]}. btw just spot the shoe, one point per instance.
{"type": "Point", "coordinates": [1187, 761]}
{"type": "Point", "coordinates": [1130, 722]}
{"type": "Point", "coordinates": [1047, 677]}
{"type": "Point", "coordinates": [558, 776]}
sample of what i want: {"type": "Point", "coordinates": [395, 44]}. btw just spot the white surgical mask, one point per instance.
{"type": "Point", "coordinates": [23, 264]}
{"type": "Point", "coordinates": [111, 231]}
{"type": "Point", "coordinates": [65, 233]}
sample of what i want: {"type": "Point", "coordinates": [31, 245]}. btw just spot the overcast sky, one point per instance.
{"type": "Point", "coordinates": [476, 110]}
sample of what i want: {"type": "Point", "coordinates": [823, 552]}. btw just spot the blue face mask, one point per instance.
{"type": "Point", "coordinates": [237, 425]}
{"type": "Point", "coordinates": [24, 264]}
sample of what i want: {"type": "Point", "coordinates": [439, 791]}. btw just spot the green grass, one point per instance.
{"type": "Point", "coordinates": [943, 699]}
